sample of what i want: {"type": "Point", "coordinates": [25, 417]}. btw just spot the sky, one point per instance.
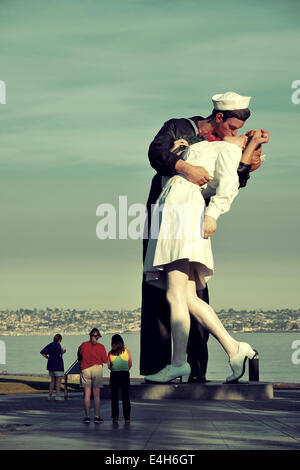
{"type": "Point", "coordinates": [88, 85]}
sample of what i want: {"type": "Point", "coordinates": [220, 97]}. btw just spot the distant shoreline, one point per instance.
{"type": "Point", "coordinates": [50, 333]}
{"type": "Point", "coordinates": [34, 322]}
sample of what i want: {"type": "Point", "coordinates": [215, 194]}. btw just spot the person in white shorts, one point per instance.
{"type": "Point", "coordinates": [92, 355]}
{"type": "Point", "coordinates": [55, 365]}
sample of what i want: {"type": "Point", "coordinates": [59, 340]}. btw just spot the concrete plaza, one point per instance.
{"type": "Point", "coordinates": [31, 422]}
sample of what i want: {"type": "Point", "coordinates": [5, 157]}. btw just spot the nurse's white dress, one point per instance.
{"type": "Point", "coordinates": [176, 230]}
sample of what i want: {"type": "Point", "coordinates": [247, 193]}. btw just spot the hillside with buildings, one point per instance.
{"type": "Point", "coordinates": [72, 321]}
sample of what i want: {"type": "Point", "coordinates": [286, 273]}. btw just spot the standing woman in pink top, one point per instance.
{"type": "Point", "coordinates": [92, 355]}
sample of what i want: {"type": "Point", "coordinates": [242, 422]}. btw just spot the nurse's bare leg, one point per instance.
{"type": "Point", "coordinates": [208, 318]}
{"type": "Point", "coordinates": [177, 274]}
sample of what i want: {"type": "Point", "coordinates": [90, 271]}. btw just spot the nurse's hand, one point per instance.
{"type": "Point", "coordinates": [179, 143]}
{"type": "Point", "coordinates": [210, 226]}
{"type": "Point", "coordinates": [261, 136]}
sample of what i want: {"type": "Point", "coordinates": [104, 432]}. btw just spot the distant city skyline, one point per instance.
{"type": "Point", "coordinates": [88, 85]}
{"type": "Point", "coordinates": [30, 322]}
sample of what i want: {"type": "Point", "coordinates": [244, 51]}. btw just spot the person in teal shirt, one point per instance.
{"type": "Point", "coordinates": [119, 363]}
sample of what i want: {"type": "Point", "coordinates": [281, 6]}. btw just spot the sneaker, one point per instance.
{"type": "Point", "coordinates": [59, 398]}
{"type": "Point", "coordinates": [97, 419]}
{"type": "Point", "coordinates": [115, 420]}
{"type": "Point", "coordinates": [86, 419]}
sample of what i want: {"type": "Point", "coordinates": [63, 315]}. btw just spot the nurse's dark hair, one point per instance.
{"type": "Point", "coordinates": [57, 338]}
{"type": "Point", "coordinates": [241, 114]}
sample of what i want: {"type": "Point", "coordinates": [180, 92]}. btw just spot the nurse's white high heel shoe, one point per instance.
{"type": "Point", "coordinates": [169, 373]}
{"type": "Point", "coordinates": [238, 362]}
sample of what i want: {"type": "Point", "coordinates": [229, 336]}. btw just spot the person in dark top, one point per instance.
{"type": "Point", "coordinates": [53, 352]}
{"type": "Point", "coordinates": [228, 116]}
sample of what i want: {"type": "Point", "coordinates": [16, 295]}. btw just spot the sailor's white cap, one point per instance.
{"type": "Point", "coordinates": [230, 101]}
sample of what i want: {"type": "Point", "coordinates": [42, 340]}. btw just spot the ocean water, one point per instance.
{"type": "Point", "coordinates": [276, 359]}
